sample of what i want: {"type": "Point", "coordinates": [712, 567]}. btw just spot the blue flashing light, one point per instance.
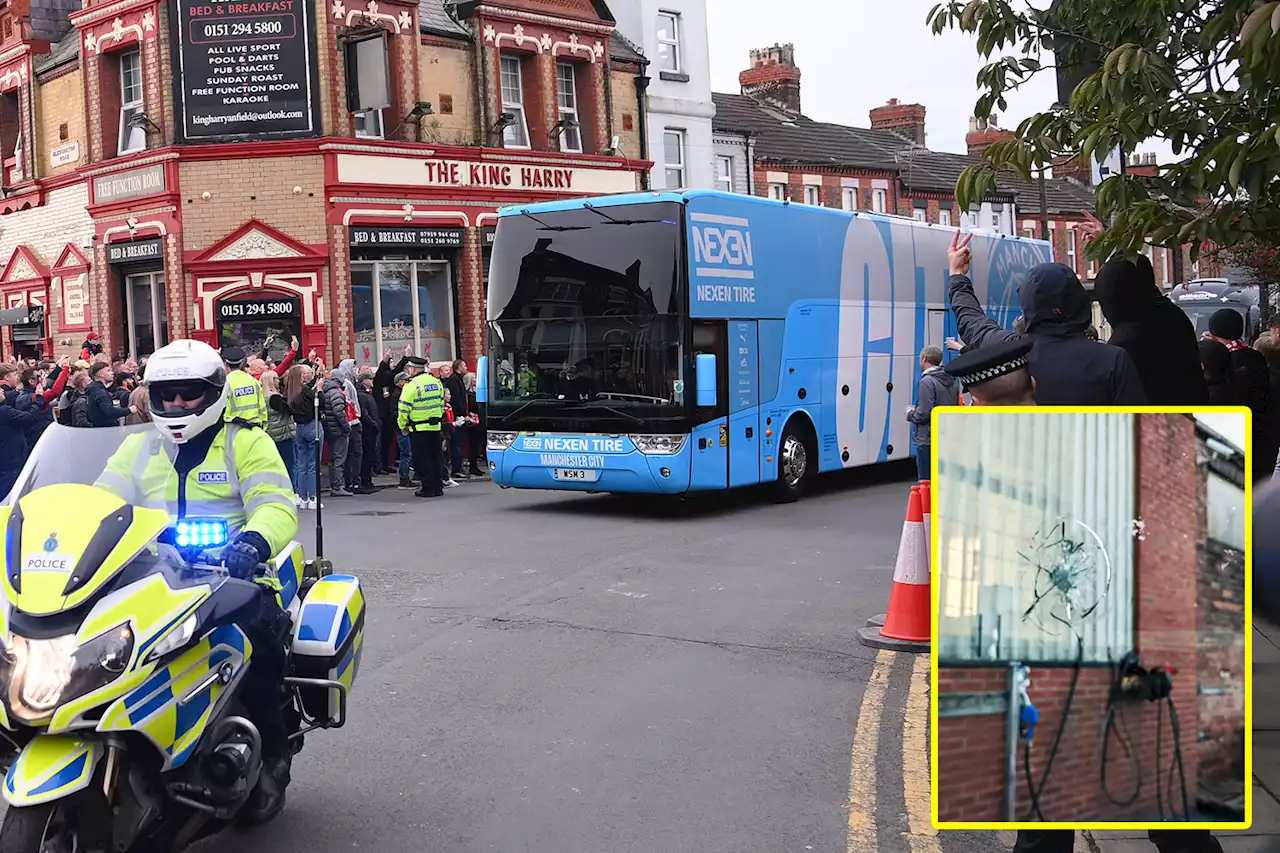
{"type": "Point", "coordinates": [201, 533]}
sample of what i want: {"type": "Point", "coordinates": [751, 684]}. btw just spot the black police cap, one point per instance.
{"type": "Point", "coordinates": [232, 354]}
{"type": "Point", "coordinates": [989, 362]}
{"type": "Point", "coordinates": [417, 361]}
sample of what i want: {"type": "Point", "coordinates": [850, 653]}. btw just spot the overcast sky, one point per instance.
{"type": "Point", "coordinates": [857, 54]}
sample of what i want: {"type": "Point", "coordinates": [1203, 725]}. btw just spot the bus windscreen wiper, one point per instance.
{"type": "Point", "coordinates": [607, 409]}
{"type": "Point", "coordinates": [546, 227]}
{"type": "Point", "coordinates": [615, 221]}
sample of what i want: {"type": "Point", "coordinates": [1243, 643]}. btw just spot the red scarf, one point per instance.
{"type": "Point", "coordinates": [1236, 346]}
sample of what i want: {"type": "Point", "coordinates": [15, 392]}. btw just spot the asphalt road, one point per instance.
{"type": "Point", "coordinates": [552, 673]}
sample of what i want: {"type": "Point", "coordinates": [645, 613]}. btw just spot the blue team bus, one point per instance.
{"type": "Point", "coordinates": [672, 342]}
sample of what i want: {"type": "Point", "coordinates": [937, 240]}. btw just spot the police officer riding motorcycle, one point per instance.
{"type": "Point", "coordinates": [202, 464]}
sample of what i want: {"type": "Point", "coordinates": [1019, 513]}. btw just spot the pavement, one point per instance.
{"type": "Point", "coordinates": [559, 673]}
{"type": "Point", "coordinates": [553, 673]}
{"type": "Point", "coordinates": [1263, 836]}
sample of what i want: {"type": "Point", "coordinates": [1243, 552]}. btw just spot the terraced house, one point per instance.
{"type": "Point", "coordinates": [765, 145]}
{"type": "Point", "coordinates": [239, 171]}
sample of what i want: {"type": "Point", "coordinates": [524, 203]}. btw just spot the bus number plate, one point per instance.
{"type": "Point", "coordinates": [582, 475]}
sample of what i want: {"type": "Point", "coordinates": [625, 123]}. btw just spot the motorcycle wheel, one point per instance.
{"type": "Point", "coordinates": [38, 829]}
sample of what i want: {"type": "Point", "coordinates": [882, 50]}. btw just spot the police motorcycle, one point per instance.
{"type": "Point", "coordinates": [121, 661]}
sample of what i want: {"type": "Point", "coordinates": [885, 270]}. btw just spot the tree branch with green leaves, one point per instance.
{"type": "Point", "coordinates": [1200, 76]}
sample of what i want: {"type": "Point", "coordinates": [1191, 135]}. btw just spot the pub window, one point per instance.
{"type": "Point", "coordinates": [515, 134]}
{"type": "Point", "coordinates": [131, 138]}
{"type": "Point", "coordinates": [399, 302]}
{"type": "Point", "coordinates": [567, 100]}
{"type": "Point", "coordinates": [368, 84]}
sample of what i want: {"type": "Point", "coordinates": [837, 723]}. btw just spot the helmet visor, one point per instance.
{"type": "Point", "coordinates": [182, 397]}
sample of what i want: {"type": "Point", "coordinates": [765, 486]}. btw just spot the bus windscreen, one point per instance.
{"type": "Point", "coordinates": [585, 324]}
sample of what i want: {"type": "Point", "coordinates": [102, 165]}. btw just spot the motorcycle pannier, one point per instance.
{"type": "Point", "coordinates": [327, 641]}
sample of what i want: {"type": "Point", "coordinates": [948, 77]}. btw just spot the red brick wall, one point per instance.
{"type": "Point", "coordinates": [1220, 647]}
{"type": "Point", "coordinates": [971, 749]}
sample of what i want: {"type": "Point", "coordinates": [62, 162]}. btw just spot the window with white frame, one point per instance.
{"type": "Point", "coordinates": [669, 57]}
{"type": "Point", "coordinates": [920, 214]}
{"type": "Point", "coordinates": [813, 195]}
{"type": "Point", "coordinates": [849, 198]}
{"type": "Point", "coordinates": [131, 138]}
{"type": "Point", "coordinates": [1071, 248]}
{"type": "Point", "coordinates": [515, 134]}
{"type": "Point", "coordinates": [1029, 233]}
{"type": "Point", "coordinates": [724, 173]}
{"type": "Point", "coordinates": [944, 216]}
{"type": "Point", "coordinates": [879, 200]}
{"type": "Point", "coordinates": [673, 157]}
{"type": "Point", "coordinates": [778, 192]}
{"type": "Point", "coordinates": [567, 100]}
{"type": "Point", "coordinates": [997, 214]}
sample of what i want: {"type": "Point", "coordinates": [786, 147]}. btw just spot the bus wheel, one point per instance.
{"type": "Point", "coordinates": [797, 462]}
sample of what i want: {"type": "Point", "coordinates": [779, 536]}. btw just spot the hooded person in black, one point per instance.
{"type": "Point", "coordinates": [1226, 326]}
{"type": "Point", "coordinates": [1158, 336]}
{"type": "Point", "coordinates": [1069, 369]}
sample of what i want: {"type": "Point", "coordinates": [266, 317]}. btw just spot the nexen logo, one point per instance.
{"type": "Point", "coordinates": [724, 241]}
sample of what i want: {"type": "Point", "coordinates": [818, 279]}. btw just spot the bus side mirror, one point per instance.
{"type": "Point", "coordinates": [482, 379]}
{"type": "Point", "coordinates": [705, 366]}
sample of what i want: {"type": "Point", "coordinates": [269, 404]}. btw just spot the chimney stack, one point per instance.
{"type": "Point", "coordinates": [773, 77]}
{"type": "Point", "coordinates": [1143, 165]}
{"type": "Point", "coordinates": [906, 119]}
{"type": "Point", "coordinates": [983, 132]}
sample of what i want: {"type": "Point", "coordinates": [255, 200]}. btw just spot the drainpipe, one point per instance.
{"type": "Point", "coordinates": [642, 85]}
{"type": "Point", "coordinates": [1012, 733]}
{"type": "Point", "coordinates": [751, 164]}
{"type": "Point", "coordinates": [608, 105]}
{"type": "Point", "coordinates": [482, 72]}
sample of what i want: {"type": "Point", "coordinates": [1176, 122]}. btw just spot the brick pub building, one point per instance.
{"type": "Point", "coordinates": [233, 171]}
{"type": "Point", "coordinates": [1186, 595]}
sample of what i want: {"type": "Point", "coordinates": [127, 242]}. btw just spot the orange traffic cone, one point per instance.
{"type": "Point", "coordinates": [906, 625]}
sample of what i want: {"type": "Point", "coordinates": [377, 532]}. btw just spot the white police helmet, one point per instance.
{"type": "Point", "coordinates": [187, 386]}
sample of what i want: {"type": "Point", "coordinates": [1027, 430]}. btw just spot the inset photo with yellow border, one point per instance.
{"type": "Point", "coordinates": [1091, 619]}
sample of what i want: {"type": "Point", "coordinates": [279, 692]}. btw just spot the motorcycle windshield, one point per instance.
{"type": "Point", "coordinates": [67, 467]}
{"type": "Point", "coordinates": [71, 455]}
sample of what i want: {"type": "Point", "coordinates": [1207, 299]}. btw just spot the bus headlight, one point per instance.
{"type": "Point", "coordinates": [659, 445]}
{"type": "Point", "coordinates": [501, 440]}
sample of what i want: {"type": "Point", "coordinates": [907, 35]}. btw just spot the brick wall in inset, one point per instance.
{"type": "Point", "coordinates": [971, 749]}
{"type": "Point", "coordinates": [1220, 646]}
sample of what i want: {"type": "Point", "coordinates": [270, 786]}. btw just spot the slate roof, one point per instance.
{"type": "Point", "coordinates": [622, 49]}
{"type": "Point", "coordinates": [786, 137]}
{"type": "Point", "coordinates": [432, 18]}
{"type": "Point", "coordinates": [67, 49]}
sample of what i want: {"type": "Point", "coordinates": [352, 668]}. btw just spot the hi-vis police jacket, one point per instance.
{"type": "Point", "coordinates": [245, 400]}
{"type": "Point", "coordinates": [421, 404]}
{"type": "Point", "coordinates": [242, 479]}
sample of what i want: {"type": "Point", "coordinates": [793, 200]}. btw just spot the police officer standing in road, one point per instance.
{"type": "Point", "coordinates": [420, 415]}
{"type": "Point", "coordinates": [245, 400]}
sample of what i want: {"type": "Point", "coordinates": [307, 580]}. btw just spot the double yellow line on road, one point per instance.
{"type": "Point", "coordinates": [921, 836]}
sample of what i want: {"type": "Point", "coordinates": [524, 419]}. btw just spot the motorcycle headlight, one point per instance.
{"type": "Point", "coordinates": [501, 440]}
{"type": "Point", "coordinates": [45, 673]}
